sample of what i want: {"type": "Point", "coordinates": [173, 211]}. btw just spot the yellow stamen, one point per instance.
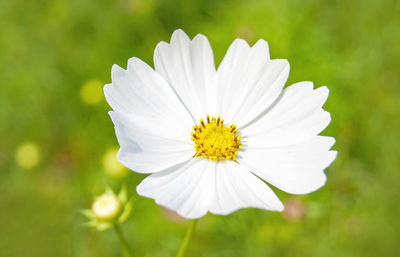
{"type": "Point", "coordinates": [216, 141]}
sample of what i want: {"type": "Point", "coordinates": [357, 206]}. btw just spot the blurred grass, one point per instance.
{"type": "Point", "coordinates": [50, 49]}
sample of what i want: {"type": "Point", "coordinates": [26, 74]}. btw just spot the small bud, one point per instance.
{"type": "Point", "coordinates": [107, 207]}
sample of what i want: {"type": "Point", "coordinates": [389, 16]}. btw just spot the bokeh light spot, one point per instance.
{"type": "Point", "coordinates": [92, 92]}
{"type": "Point", "coordinates": [28, 155]}
{"type": "Point", "coordinates": [112, 167]}
{"type": "Point", "coordinates": [294, 210]}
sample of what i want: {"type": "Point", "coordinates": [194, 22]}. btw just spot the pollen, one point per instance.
{"type": "Point", "coordinates": [215, 140]}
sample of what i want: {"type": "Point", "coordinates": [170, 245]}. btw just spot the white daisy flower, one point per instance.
{"type": "Point", "coordinates": [211, 136]}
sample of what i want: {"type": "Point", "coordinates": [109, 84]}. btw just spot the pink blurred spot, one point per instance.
{"type": "Point", "coordinates": [171, 215]}
{"type": "Point", "coordinates": [294, 210]}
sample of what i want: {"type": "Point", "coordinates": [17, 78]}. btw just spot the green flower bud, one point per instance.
{"type": "Point", "coordinates": [107, 207]}
{"type": "Point", "coordinates": [108, 210]}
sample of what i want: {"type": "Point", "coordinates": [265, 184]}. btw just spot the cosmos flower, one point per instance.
{"type": "Point", "coordinates": [212, 137]}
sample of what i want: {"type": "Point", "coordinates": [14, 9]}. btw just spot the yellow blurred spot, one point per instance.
{"type": "Point", "coordinates": [92, 92]}
{"type": "Point", "coordinates": [28, 155]}
{"type": "Point", "coordinates": [286, 233]}
{"type": "Point", "coordinates": [143, 6]}
{"type": "Point", "coordinates": [265, 232]}
{"type": "Point", "coordinates": [112, 166]}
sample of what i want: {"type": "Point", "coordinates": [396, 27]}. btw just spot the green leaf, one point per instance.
{"type": "Point", "coordinates": [91, 224]}
{"type": "Point", "coordinates": [123, 194]}
{"type": "Point", "coordinates": [127, 211]}
{"type": "Point", "coordinates": [87, 213]}
{"type": "Point", "coordinates": [104, 226]}
{"type": "Point", "coordinates": [109, 190]}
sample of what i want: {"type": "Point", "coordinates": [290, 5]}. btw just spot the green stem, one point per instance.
{"type": "Point", "coordinates": [187, 238]}
{"type": "Point", "coordinates": [124, 244]}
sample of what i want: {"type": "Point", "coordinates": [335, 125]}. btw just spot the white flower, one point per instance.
{"type": "Point", "coordinates": [218, 166]}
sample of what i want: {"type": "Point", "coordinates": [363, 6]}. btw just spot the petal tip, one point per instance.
{"type": "Point", "coordinates": [179, 34]}
{"type": "Point", "coordinates": [334, 155]}
{"type": "Point", "coordinates": [106, 89]}
{"type": "Point", "coordinates": [262, 47]}
{"type": "Point", "coordinates": [324, 91]}
{"type": "Point", "coordinates": [132, 61]}
{"type": "Point", "coordinates": [200, 37]}
{"type": "Point", "coordinates": [240, 42]}
{"type": "Point", "coordinates": [281, 207]}
{"type": "Point", "coordinates": [116, 71]}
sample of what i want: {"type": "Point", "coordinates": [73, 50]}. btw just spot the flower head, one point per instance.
{"type": "Point", "coordinates": [211, 137]}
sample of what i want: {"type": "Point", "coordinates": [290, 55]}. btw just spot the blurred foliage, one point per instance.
{"type": "Point", "coordinates": [54, 54]}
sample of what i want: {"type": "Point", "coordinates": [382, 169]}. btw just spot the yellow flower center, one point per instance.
{"type": "Point", "coordinates": [215, 140]}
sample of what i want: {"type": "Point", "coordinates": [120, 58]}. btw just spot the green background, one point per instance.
{"type": "Point", "coordinates": [49, 49]}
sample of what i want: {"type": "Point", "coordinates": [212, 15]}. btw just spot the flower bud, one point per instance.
{"type": "Point", "coordinates": [107, 207]}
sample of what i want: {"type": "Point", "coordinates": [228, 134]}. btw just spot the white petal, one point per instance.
{"type": "Point", "coordinates": [237, 188]}
{"type": "Point", "coordinates": [146, 147]}
{"type": "Point", "coordinates": [188, 67]}
{"type": "Point", "coordinates": [294, 118]}
{"type": "Point", "coordinates": [187, 188]}
{"type": "Point", "coordinates": [282, 146]}
{"type": "Point", "coordinates": [140, 91]}
{"type": "Point", "coordinates": [201, 185]}
{"type": "Point", "coordinates": [296, 169]}
{"type": "Point", "coordinates": [152, 125]}
{"type": "Point", "coordinates": [248, 81]}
